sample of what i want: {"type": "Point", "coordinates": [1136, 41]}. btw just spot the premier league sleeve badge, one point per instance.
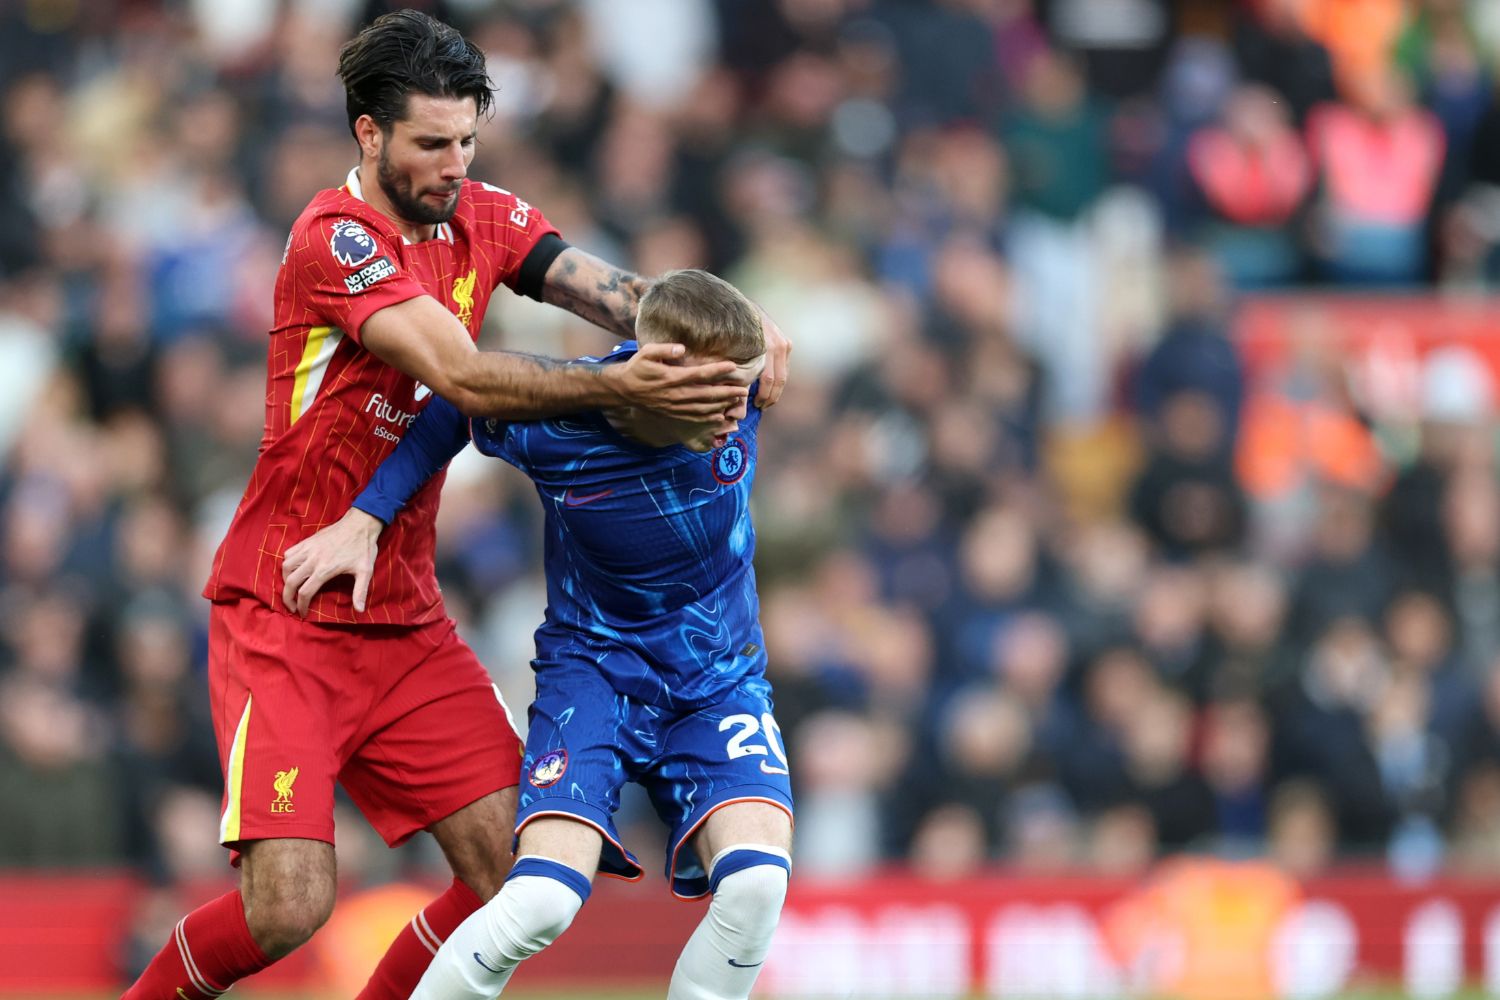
{"type": "Point", "coordinates": [350, 243]}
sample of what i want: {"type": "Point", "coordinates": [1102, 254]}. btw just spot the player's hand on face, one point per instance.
{"type": "Point", "coordinates": [657, 379]}
{"type": "Point", "coordinates": [778, 360]}
{"type": "Point", "coordinates": [348, 545]}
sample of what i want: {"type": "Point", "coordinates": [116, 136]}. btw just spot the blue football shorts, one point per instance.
{"type": "Point", "coordinates": [586, 740]}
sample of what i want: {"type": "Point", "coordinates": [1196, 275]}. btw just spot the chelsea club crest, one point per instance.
{"type": "Point", "coordinates": [730, 462]}
{"type": "Point", "coordinates": [549, 769]}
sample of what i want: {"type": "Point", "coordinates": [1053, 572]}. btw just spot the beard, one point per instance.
{"type": "Point", "coordinates": [408, 205]}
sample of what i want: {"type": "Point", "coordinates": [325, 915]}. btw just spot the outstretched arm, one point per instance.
{"type": "Point", "coordinates": [350, 544]}
{"type": "Point", "coordinates": [608, 296]}
{"type": "Point", "coordinates": [423, 339]}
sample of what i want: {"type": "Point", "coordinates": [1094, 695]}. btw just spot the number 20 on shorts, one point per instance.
{"type": "Point", "coordinates": [748, 726]}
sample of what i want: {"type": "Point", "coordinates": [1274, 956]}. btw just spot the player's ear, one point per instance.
{"type": "Point", "coordinates": [370, 136]}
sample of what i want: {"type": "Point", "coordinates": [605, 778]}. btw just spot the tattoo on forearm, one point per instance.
{"type": "Point", "coordinates": [596, 291]}
{"type": "Point", "coordinates": [620, 296]}
{"type": "Point", "coordinates": [543, 362]}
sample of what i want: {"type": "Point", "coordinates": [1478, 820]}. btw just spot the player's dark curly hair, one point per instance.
{"type": "Point", "coordinates": [406, 52]}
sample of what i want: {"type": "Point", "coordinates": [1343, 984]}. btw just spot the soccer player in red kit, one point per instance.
{"type": "Point", "coordinates": [381, 294]}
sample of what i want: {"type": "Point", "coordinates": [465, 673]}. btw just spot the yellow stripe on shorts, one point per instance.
{"type": "Point", "coordinates": [234, 779]}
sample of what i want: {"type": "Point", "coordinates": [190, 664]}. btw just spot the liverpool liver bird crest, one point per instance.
{"type": "Point", "coordinates": [283, 784]}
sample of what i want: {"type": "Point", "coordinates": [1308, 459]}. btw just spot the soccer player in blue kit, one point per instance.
{"type": "Point", "coordinates": [649, 665]}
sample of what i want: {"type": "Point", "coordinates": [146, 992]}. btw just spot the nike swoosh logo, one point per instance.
{"type": "Point", "coordinates": [741, 965]}
{"type": "Point", "coordinates": [490, 967]}
{"type": "Point", "coordinates": [574, 500]}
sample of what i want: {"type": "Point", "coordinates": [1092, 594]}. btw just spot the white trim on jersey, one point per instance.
{"type": "Point", "coordinates": [322, 342]}
{"type": "Point", "coordinates": [444, 230]}
{"type": "Point", "coordinates": [508, 717]}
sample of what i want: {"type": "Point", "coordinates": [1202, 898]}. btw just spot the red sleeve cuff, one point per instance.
{"type": "Point", "coordinates": [361, 307]}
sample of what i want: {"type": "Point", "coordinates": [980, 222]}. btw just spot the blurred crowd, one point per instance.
{"type": "Point", "coordinates": [1048, 579]}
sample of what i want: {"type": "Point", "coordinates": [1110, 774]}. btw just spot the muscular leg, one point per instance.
{"type": "Point", "coordinates": [286, 893]}
{"type": "Point", "coordinates": [746, 849]}
{"type": "Point", "coordinates": [550, 881]}
{"type": "Point", "coordinates": [288, 887]}
{"type": "Point", "coordinates": [476, 841]}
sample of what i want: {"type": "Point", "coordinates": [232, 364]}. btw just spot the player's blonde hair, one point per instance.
{"type": "Point", "coordinates": [705, 314]}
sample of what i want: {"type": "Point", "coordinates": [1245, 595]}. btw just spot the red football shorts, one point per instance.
{"type": "Point", "coordinates": [405, 718]}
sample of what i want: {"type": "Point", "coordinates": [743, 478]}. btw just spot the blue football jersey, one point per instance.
{"type": "Point", "coordinates": [648, 552]}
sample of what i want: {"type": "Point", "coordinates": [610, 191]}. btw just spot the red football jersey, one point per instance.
{"type": "Point", "coordinates": [334, 410]}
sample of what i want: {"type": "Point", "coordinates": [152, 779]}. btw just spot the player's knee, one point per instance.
{"type": "Point", "coordinates": [749, 887]}
{"type": "Point", "coordinates": [550, 910]}
{"type": "Point", "coordinates": [484, 872]}
{"type": "Point", "coordinates": [281, 921]}
{"type": "Point", "coordinates": [477, 842]}
{"type": "Point", "coordinates": [537, 903]}
{"type": "Point", "coordinates": [288, 889]}
{"type": "Point", "coordinates": [757, 890]}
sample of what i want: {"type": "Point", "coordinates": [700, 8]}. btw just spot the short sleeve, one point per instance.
{"type": "Point", "coordinates": [348, 270]}
{"type": "Point", "coordinates": [510, 224]}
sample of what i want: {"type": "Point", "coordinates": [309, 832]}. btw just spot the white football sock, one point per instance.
{"type": "Point", "coordinates": [725, 953]}
{"type": "Point", "coordinates": [478, 958]}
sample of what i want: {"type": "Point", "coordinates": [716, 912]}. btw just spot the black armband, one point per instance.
{"type": "Point", "coordinates": [533, 272]}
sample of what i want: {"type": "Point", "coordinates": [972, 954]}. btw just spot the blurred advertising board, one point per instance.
{"type": "Point", "coordinates": [1194, 928]}
{"type": "Point", "coordinates": [1337, 386]}
{"type": "Point", "coordinates": [1382, 343]}
{"type": "Point", "coordinates": [1198, 929]}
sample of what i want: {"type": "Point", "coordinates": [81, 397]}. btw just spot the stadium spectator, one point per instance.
{"type": "Point", "coordinates": [1457, 407]}
{"type": "Point", "coordinates": [987, 739]}
{"type": "Point", "coordinates": [950, 844]}
{"type": "Point", "coordinates": [1303, 835]}
{"type": "Point", "coordinates": [1302, 432]}
{"type": "Point", "coordinates": [1236, 766]}
{"type": "Point", "coordinates": [1252, 174]}
{"type": "Point", "coordinates": [1471, 523]}
{"type": "Point", "coordinates": [1117, 684]}
{"type": "Point", "coordinates": [54, 760]}
{"type": "Point", "coordinates": [1247, 643]}
{"type": "Point", "coordinates": [1322, 732]}
{"type": "Point", "coordinates": [1122, 841]}
{"type": "Point", "coordinates": [845, 766]}
{"type": "Point", "coordinates": [1056, 138]}
{"type": "Point", "coordinates": [1379, 160]}
{"type": "Point", "coordinates": [1439, 51]}
{"type": "Point", "coordinates": [1123, 55]}
{"type": "Point", "coordinates": [1187, 499]}
{"type": "Point", "coordinates": [1160, 774]}
{"type": "Point", "coordinates": [1273, 48]}
{"type": "Point", "coordinates": [1476, 823]}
